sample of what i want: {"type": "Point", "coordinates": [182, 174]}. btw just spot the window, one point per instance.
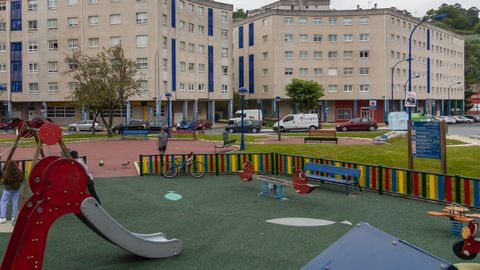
{"type": "Point", "coordinates": [288, 54]}
{"type": "Point", "coordinates": [143, 86]}
{"type": "Point", "coordinates": [288, 37]}
{"type": "Point", "coordinates": [332, 55]}
{"type": "Point", "coordinates": [288, 20]}
{"type": "Point", "coordinates": [72, 86]}
{"type": "Point", "coordinates": [72, 22]}
{"type": "Point", "coordinates": [348, 71]}
{"type": "Point", "coordinates": [32, 5]}
{"type": "Point", "coordinates": [363, 37]}
{"type": "Point", "coordinates": [303, 38]}
{"type": "Point", "coordinates": [332, 88]}
{"type": "Point", "coordinates": [223, 16]}
{"type": "Point", "coordinates": [265, 55]}
{"type": "Point", "coordinates": [332, 72]}
{"type": "Point", "coordinates": [265, 88]}
{"type": "Point", "coordinates": [93, 1]}
{"type": "Point", "coordinates": [201, 29]}
{"type": "Point", "coordinates": [191, 28]}
{"type": "Point", "coordinates": [302, 21]}
{"type": "Point", "coordinates": [53, 67]}
{"type": "Point", "coordinates": [190, 7]}
{"type": "Point", "coordinates": [114, 41]}
{"type": "Point", "coordinates": [224, 89]}
{"type": "Point", "coordinates": [265, 72]}
{"type": "Point", "coordinates": [73, 43]}
{"type": "Point", "coordinates": [347, 54]}
{"type": "Point", "coordinates": [142, 17]}
{"type": "Point", "coordinates": [224, 52]}
{"type": "Point", "coordinates": [303, 71]}
{"type": "Point", "coordinates": [182, 86]}
{"type": "Point", "coordinates": [181, 25]}
{"type": "Point", "coordinates": [348, 88]}
{"type": "Point", "coordinates": [65, 111]}
{"type": "Point", "coordinates": [317, 38]}
{"type": "Point", "coordinates": [52, 45]}
{"type": "Point", "coordinates": [191, 47]}
{"type": "Point", "coordinates": [72, 2]}
{"type": "Point", "coordinates": [3, 47]}
{"type": "Point", "coordinates": [265, 22]}
{"type": "Point", "coordinates": [164, 20]}
{"type": "Point", "coordinates": [191, 67]}
{"type": "Point", "coordinates": [201, 48]}
{"type": "Point", "coordinates": [191, 87]}
{"type": "Point", "coordinates": [201, 11]}
{"type": "Point", "coordinates": [317, 55]}
{"type": "Point", "coordinates": [115, 19]}
{"type": "Point", "coordinates": [364, 71]}
{"type": "Point", "coordinates": [53, 88]}
{"type": "Point", "coordinates": [363, 20]}
{"type": "Point", "coordinates": [332, 21]}
{"type": "Point", "coordinates": [201, 87]}
{"type": "Point", "coordinates": [344, 114]}
{"type": "Point", "coordinates": [52, 24]}
{"type": "Point", "coordinates": [223, 33]}
{"type": "Point", "coordinates": [317, 21]}
{"type": "Point", "coordinates": [318, 71]}
{"type": "Point", "coordinates": [32, 26]}
{"type": "Point", "coordinates": [225, 70]}
{"type": "Point", "coordinates": [33, 88]}
{"type": "Point", "coordinates": [347, 37]}
{"type": "Point", "coordinates": [182, 4]}
{"type": "Point", "coordinates": [347, 21]}
{"type": "Point", "coordinates": [72, 66]}
{"type": "Point", "coordinates": [288, 71]}
{"type": "Point", "coordinates": [182, 45]}
{"type": "Point", "coordinates": [182, 66]}
{"type": "Point", "coordinates": [142, 41]}
{"type": "Point", "coordinates": [142, 63]}
{"type": "Point", "coordinates": [3, 26]}
{"type": "Point", "coordinates": [265, 39]}
{"type": "Point", "coordinates": [51, 4]}
{"type": "Point", "coordinates": [201, 68]}
{"type": "Point", "coordinates": [3, 67]}
{"type": "Point", "coordinates": [364, 87]}
{"type": "Point", "coordinates": [33, 46]}
{"type": "Point", "coordinates": [165, 63]}
{"type": "Point", "coordinates": [93, 42]}
{"type": "Point", "coordinates": [93, 20]}
{"type": "Point", "coordinates": [364, 54]}
{"type": "Point", "coordinates": [303, 54]}
{"type": "Point", "coordinates": [332, 38]}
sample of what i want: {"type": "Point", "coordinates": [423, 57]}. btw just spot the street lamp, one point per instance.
{"type": "Point", "coordinates": [449, 109]}
{"type": "Point", "coordinates": [126, 114]}
{"type": "Point", "coordinates": [168, 95]}
{"type": "Point", "coordinates": [433, 17]}
{"type": "Point", "coordinates": [405, 89]}
{"type": "Point", "coordinates": [391, 85]}
{"type": "Point", "coordinates": [242, 91]}
{"type": "Point", "coordinates": [277, 101]}
{"type": "Point", "coordinates": [259, 102]}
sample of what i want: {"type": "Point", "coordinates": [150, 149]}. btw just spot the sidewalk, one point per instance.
{"type": "Point", "coordinates": [471, 141]}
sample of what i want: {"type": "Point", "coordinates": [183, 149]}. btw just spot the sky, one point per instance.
{"type": "Point", "coordinates": [418, 8]}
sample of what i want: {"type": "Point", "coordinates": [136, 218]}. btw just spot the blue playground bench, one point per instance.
{"type": "Point", "coordinates": [328, 173]}
{"type": "Point", "coordinates": [142, 132]}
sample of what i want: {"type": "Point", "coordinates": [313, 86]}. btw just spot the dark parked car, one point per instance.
{"type": "Point", "coordinates": [475, 118]}
{"type": "Point", "coordinates": [358, 124]}
{"type": "Point", "coordinates": [248, 126]}
{"type": "Point", "coordinates": [132, 125]}
{"type": "Point", "coordinates": [203, 124]}
{"type": "Point", "coordinates": [186, 125]}
{"type": "Point", "coordinates": [157, 125]}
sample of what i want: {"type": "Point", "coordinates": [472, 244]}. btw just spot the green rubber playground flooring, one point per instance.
{"type": "Point", "coordinates": [221, 222]}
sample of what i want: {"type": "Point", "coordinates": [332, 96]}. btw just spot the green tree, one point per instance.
{"type": "Point", "coordinates": [304, 93]}
{"type": "Point", "coordinates": [105, 82]}
{"type": "Point", "coordinates": [239, 14]}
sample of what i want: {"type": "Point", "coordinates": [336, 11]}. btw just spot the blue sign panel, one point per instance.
{"type": "Point", "coordinates": [426, 140]}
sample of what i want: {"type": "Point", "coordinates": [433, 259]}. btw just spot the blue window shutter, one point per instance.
{"type": "Point", "coordinates": [251, 33]}
{"type": "Point", "coordinates": [210, 22]}
{"type": "Point", "coordinates": [174, 14]}
{"type": "Point", "coordinates": [240, 37]}
{"type": "Point", "coordinates": [251, 74]}
{"type": "Point", "coordinates": [241, 72]}
{"type": "Point", "coordinates": [174, 64]}
{"type": "Point", "coordinates": [210, 69]}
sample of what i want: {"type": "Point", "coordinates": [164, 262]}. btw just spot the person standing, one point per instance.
{"type": "Point", "coordinates": [12, 179]}
{"type": "Point", "coordinates": [162, 141]}
{"type": "Point", "coordinates": [90, 184]}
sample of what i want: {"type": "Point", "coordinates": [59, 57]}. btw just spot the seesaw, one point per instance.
{"type": "Point", "coordinates": [457, 214]}
{"type": "Point", "coordinates": [58, 188]}
{"type": "Point", "coordinates": [272, 186]}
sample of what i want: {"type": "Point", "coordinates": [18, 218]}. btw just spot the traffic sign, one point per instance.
{"type": "Point", "coordinates": [373, 103]}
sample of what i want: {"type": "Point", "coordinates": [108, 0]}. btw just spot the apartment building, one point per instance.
{"type": "Point", "coordinates": [181, 47]}
{"type": "Point", "coordinates": [351, 53]}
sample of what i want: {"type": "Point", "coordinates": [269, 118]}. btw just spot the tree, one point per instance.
{"type": "Point", "coordinates": [105, 82]}
{"type": "Point", "coordinates": [304, 93]}
{"type": "Point", "coordinates": [239, 14]}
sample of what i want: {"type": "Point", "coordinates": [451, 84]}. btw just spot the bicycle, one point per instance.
{"type": "Point", "coordinates": [195, 168]}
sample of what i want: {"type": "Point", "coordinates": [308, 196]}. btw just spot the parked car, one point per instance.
{"type": "Point", "coordinates": [466, 119]}
{"type": "Point", "coordinates": [157, 125]}
{"type": "Point", "coordinates": [458, 119]}
{"type": "Point", "coordinates": [298, 121]}
{"type": "Point", "coordinates": [450, 120]}
{"type": "Point", "coordinates": [203, 124]}
{"type": "Point", "coordinates": [358, 124]}
{"type": "Point", "coordinates": [475, 118]}
{"type": "Point", "coordinates": [248, 126]}
{"type": "Point", "coordinates": [12, 124]}
{"type": "Point", "coordinates": [186, 125]}
{"type": "Point", "coordinates": [132, 125]}
{"type": "Point", "coordinates": [85, 125]}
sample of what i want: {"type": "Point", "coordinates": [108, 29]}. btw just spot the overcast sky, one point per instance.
{"type": "Point", "coordinates": [416, 7]}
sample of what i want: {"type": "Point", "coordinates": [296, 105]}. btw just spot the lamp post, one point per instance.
{"type": "Point", "coordinates": [435, 17]}
{"type": "Point", "coordinates": [405, 89]}
{"type": "Point", "coordinates": [242, 91]}
{"type": "Point", "coordinates": [449, 109]}
{"type": "Point", "coordinates": [277, 102]}
{"type": "Point", "coordinates": [391, 85]}
{"type": "Point", "coordinates": [126, 114]}
{"type": "Point", "coordinates": [168, 95]}
{"type": "Point", "coordinates": [259, 102]}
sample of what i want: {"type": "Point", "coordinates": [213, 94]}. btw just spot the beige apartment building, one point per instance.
{"type": "Point", "coordinates": [181, 47]}
{"type": "Point", "coordinates": [351, 53]}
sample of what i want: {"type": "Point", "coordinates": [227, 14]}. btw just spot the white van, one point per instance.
{"type": "Point", "coordinates": [248, 115]}
{"type": "Point", "coordinates": [299, 121]}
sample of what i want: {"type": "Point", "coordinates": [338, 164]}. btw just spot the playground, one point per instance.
{"type": "Point", "coordinates": [221, 222]}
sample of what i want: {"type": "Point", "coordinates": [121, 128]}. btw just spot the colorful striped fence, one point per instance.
{"type": "Point", "coordinates": [24, 165]}
{"type": "Point", "coordinates": [418, 184]}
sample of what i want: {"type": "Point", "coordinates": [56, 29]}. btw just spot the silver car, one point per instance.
{"type": "Point", "coordinates": [84, 125]}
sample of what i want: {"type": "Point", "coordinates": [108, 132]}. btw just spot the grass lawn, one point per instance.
{"type": "Point", "coordinates": [221, 222]}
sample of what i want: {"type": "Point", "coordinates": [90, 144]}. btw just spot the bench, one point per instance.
{"type": "Point", "coordinates": [320, 135]}
{"type": "Point", "coordinates": [225, 144]}
{"type": "Point", "coordinates": [328, 173]}
{"type": "Point", "coordinates": [128, 132]}
{"type": "Point", "coordinates": [182, 134]}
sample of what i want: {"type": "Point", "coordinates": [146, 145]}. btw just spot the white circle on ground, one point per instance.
{"type": "Point", "coordinates": [301, 222]}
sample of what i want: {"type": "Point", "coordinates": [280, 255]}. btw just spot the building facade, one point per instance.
{"type": "Point", "coordinates": [181, 47]}
{"type": "Point", "coordinates": [351, 53]}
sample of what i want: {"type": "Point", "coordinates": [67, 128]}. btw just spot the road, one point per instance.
{"type": "Point", "coordinates": [470, 130]}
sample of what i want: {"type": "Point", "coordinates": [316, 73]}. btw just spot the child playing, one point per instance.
{"type": "Point", "coordinates": [12, 179]}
